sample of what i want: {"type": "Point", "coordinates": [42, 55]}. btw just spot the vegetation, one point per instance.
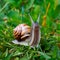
{"type": "Point", "coordinates": [14, 12]}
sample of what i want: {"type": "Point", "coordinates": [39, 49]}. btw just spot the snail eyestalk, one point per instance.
{"type": "Point", "coordinates": [38, 18]}
{"type": "Point", "coordinates": [31, 18]}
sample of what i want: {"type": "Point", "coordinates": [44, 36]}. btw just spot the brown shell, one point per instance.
{"type": "Point", "coordinates": [22, 32]}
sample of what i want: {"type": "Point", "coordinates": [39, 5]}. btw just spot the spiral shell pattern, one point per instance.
{"type": "Point", "coordinates": [22, 32]}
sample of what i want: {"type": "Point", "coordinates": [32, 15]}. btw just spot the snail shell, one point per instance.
{"type": "Point", "coordinates": [22, 32]}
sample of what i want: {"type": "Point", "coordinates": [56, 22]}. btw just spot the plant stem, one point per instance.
{"type": "Point", "coordinates": [4, 7]}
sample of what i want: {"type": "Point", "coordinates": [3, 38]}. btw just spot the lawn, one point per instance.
{"type": "Point", "coordinates": [15, 12]}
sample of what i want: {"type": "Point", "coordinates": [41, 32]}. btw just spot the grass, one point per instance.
{"type": "Point", "coordinates": [14, 13]}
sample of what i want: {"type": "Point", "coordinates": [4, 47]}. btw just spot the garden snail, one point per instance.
{"type": "Point", "coordinates": [26, 35]}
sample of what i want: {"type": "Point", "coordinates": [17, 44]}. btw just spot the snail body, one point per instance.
{"type": "Point", "coordinates": [26, 35]}
{"type": "Point", "coordinates": [35, 34]}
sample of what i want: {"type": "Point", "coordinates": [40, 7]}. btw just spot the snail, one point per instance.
{"type": "Point", "coordinates": [26, 35]}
